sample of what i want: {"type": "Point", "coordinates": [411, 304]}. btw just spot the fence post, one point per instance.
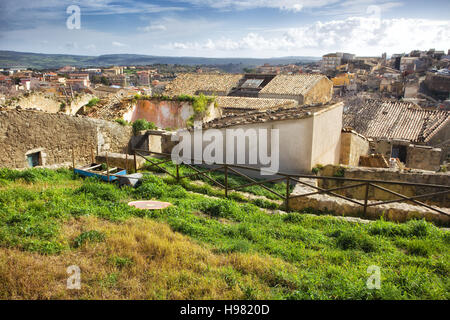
{"type": "Point", "coordinates": [135, 162]}
{"type": "Point", "coordinates": [226, 180]}
{"type": "Point", "coordinates": [73, 159]}
{"type": "Point", "coordinates": [126, 162]}
{"type": "Point", "coordinates": [107, 166]}
{"type": "Point", "coordinates": [92, 155]}
{"type": "Point", "coordinates": [366, 197]}
{"type": "Point", "coordinates": [287, 193]}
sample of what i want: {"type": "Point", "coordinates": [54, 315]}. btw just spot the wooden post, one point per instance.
{"type": "Point", "coordinates": [366, 197]}
{"type": "Point", "coordinates": [226, 181]}
{"type": "Point", "coordinates": [92, 155]}
{"type": "Point", "coordinates": [107, 166]}
{"type": "Point", "coordinates": [288, 182]}
{"type": "Point", "coordinates": [135, 162]}
{"type": "Point", "coordinates": [73, 159]}
{"type": "Point", "coordinates": [126, 162]}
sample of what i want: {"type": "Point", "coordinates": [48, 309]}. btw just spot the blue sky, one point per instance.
{"type": "Point", "coordinates": [226, 28]}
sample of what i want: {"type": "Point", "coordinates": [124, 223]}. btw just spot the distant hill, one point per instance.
{"type": "Point", "coordinates": [47, 61]}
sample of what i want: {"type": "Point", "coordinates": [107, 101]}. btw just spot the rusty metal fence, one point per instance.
{"type": "Point", "coordinates": [294, 178]}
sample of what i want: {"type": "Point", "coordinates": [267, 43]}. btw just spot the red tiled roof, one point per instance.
{"type": "Point", "coordinates": [394, 120]}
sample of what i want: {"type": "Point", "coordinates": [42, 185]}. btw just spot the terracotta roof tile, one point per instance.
{"type": "Point", "coordinates": [244, 103]}
{"type": "Point", "coordinates": [190, 84]}
{"type": "Point", "coordinates": [292, 84]}
{"type": "Point", "coordinates": [394, 120]}
{"type": "Point", "coordinates": [256, 116]}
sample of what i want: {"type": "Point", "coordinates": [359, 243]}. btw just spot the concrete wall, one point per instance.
{"type": "Point", "coordinates": [167, 114]}
{"type": "Point", "coordinates": [353, 146]}
{"type": "Point", "coordinates": [54, 135]}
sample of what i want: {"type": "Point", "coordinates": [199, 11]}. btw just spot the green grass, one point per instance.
{"type": "Point", "coordinates": [234, 180]}
{"type": "Point", "coordinates": [329, 256]}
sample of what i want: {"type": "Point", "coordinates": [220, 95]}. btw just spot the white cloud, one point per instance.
{"type": "Point", "coordinates": [287, 5]}
{"type": "Point", "coordinates": [118, 44]}
{"type": "Point", "coordinates": [356, 34]}
{"type": "Point", "coordinates": [153, 27]}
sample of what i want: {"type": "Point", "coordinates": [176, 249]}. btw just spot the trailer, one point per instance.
{"type": "Point", "coordinates": [99, 171]}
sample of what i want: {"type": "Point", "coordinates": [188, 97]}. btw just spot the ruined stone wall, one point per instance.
{"type": "Point", "coordinates": [51, 103]}
{"type": "Point", "coordinates": [372, 174]}
{"type": "Point", "coordinates": [423, 157]}
{"type": "Point", "coordinates": [352, 147]}
{"type": "Point", "coordinates": [54, 135]}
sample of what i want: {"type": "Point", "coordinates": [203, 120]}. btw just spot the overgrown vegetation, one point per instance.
{"type": "Point", "coordinates": [122, 122]}
{"type": "Point", "coordinates": [142, 124]}
{"type": "Point", "coordinates": [236, 249]}
{"type": "Point", "coordinates": [93, 102]}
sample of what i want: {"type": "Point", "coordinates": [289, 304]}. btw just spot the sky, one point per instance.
{"type": "Point", "coordinates": [224, 28]}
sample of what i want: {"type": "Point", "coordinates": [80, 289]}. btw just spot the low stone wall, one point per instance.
{"type": "Point", "coordinates": [415, 176]}
{"type": "Point", "coordinates": [53, 135]}
{"type": "Point", "coordinates": [120, 160]}
{"type": "Point", "coordinates": [398, 212]}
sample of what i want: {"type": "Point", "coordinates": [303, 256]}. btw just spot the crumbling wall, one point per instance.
{"type": "Point", "coordinates": [54, 135]}
{"type": "Point", "coordinates": [353, 146]}
{"type": "Point", "coordinates": [168, 114]}
{"type": "Point", "coordinates": [51, 103]}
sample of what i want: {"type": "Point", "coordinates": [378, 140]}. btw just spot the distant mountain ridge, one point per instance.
{"type": "Point", "coordinates": [47, 61]}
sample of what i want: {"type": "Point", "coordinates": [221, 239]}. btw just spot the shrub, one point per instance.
{"type": "Point", "coordinates": [355, 240]}
{"type": "Point", "coordinates": [93, 102]}
{"type": "Point", "coordinates": [121, 122]}
{"type": "Point", "coordinates": [142, 124]}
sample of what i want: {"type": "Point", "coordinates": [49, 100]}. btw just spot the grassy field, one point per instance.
{"type": "Point", "coordinates": [202, 247]}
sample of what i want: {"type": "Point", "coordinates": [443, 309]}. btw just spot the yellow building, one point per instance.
{"type": "Point", "coordinates": [343, 79]}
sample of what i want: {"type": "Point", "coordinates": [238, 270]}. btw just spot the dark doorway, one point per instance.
{"type": "Point", "coordinates": [34, 159]}
{"type": "Point", "coordinates": [399, 152]}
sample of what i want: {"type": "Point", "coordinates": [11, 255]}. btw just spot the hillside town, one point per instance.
{"type": "Point", "coordinates": [400, 104]}
{"type": "Point", "coordinates": [225, 159]}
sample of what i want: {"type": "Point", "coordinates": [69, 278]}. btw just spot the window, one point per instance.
{"type": "Point", "coordinates": [34, 159]}
{"type": "Point", "coordinates": [252, 83]}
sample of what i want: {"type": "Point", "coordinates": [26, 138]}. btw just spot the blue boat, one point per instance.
{"type": "Point", "coordinates": [97, 170]}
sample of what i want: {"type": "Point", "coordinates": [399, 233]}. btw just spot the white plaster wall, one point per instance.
{"type": "Point", "coordinates": [326, 141]}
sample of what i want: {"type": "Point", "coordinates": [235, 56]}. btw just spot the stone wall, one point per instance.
{"type": "Point", "coordinates": [51, 103]}
{"type": "Point", "coordinates": [417, 156]}
{"type": "Point", "coordinates": [416, 176]}
{"type": "Point", "coordinates": [353, 146]}
{"type": "Point", "coordinates": [423, 157]}
{"type": "Point", "coordinates": [54, 135]}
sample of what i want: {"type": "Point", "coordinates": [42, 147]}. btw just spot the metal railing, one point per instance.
{"type": "Point", "coordinates": [290, 178]}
